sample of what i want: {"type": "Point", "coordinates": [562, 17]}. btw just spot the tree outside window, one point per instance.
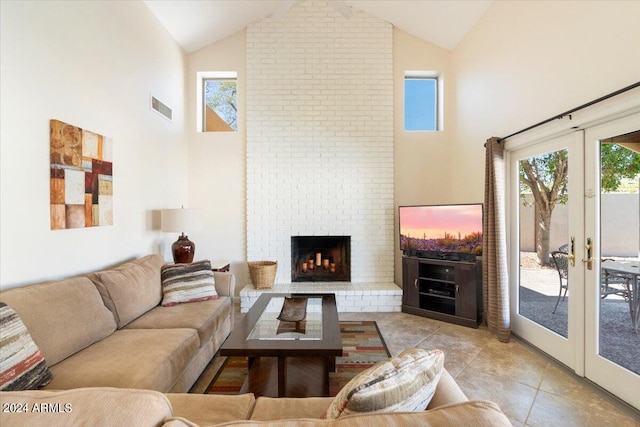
{"type": "Point", "coordinates": [545, 177]}
{"type": "Point", "coordinates": [220, 105]}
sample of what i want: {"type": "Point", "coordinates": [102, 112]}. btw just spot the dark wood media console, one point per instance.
{"type": "Point", "coordinates": [442, 289]}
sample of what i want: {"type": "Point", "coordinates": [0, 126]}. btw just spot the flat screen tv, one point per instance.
{"type": "Point", "coordinates": [441, 231]}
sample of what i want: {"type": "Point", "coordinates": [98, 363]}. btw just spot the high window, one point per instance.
{"type": "Point", "coordinates": [422, 101]}
{"type": "Point", "coordinates": [217, 101]}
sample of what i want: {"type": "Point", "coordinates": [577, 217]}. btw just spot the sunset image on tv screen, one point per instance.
{"type": "Point", "coordinates": [444, 228]}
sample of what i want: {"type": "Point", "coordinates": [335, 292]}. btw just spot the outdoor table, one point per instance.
{"type": "Point", "coordinates": [631, 271]}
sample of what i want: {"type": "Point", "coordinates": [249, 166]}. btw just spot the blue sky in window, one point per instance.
{"type": "Point", "coordinates": [419, 104]}
{"type": "Point", "coordinates": [220, 95]}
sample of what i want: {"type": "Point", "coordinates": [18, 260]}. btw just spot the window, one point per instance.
{"type": "Point", "coordinates": [217, 102]}
{"type": "Point", "coordinates": [421, 101]}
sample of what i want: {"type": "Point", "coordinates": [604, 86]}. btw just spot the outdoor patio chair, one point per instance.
{"type": "Point", "coordinates": [562, 265]}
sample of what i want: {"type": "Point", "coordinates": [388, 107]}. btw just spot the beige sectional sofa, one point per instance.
{"type": "Point", "coordinates": [108, 329]}
{"type": "Point", "coordinates": [119, 407]}
{"type": "Point", "coordinates": [120, 358]}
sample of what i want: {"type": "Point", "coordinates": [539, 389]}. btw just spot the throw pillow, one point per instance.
{"type": "Point", "coordinates": [187, 283]}
{"type": "Point", "coordinates": [405, 383]}
{"type": "Point", "coordinates": [22, 365]}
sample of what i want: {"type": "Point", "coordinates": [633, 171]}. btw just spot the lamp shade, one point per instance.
{"type": "Point", "coordinates": [181, 220]}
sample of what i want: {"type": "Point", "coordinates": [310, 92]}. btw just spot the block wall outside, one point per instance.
{"type": "Point", "coordinates": [320, 136]}
{"type": "Point", "coordinates": [619, 216]}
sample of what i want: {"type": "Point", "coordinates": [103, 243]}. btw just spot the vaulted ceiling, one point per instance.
{"type": "Point", "coordinates": [197, 23]}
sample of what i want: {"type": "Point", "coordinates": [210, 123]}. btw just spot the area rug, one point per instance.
{"type": "Point", "coordinates": [362, 347]}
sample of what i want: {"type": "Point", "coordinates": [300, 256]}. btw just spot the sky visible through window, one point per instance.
{"type": "Point", "coordinates": [420, 104]}
{"type": "Point", "coordinates": [221, 96]}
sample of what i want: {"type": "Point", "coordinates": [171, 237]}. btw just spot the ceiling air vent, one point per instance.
{"type": "Point", "coordinates": [160, 108]}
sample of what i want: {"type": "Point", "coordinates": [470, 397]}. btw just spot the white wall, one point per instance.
{"type": "Point", "coordinates": [422, 159]}
{"type": "Point", "coordinates": [217, 159]}
{"type": "Point", "coordinates": [93, 65]}
{"type": "Point", "coordinates": [320, 136]}
{"type": "Point", "coordinates": [526, 61]}
{"type": "Point", "coordinates": [217, 163]}
{"type": "Point", "coordinates": [522, 63]}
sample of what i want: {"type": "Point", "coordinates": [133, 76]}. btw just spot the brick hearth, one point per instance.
{"type": "Point", "coordinates": [350, 297]}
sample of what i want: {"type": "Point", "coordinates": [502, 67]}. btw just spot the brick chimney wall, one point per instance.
{"type": "Point", "coordinates": [320, 136]}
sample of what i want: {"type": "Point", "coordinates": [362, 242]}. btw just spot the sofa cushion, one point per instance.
{"type": "Point", "coordinates": [403, 383]}
{"type": "Point", "coordinates": [282, 408]}
{"type": "Point", "coordinates": [447, 392]}
{"type": "Point", "coordinates": [205, 316]}
{"type": "Point", "coordinates": [129, 358]}
{"type": "Point", "coordinates": [63, 317]}
{"type": "Point", "coordinates": [87, 407]}
{"type": "Point", "coordinates": [178, 422]}
{"type": "Point", "coordinates": [209, 409]}
{"type": "Point", "coordinates": [182, 283]}
{"type": "Point", "coordinates": [225, 283]}
{"type": "Point", "coordinates": [22, 365]}
{"type": "Point", "coordinates": [267, 408]}
{"type": "Point", "coordinates": [131, 289]}
{"type": "Point", "coordinates": [471, 413]}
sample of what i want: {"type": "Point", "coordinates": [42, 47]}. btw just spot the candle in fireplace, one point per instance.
{"type": "Point", "coordinates": [318, 259]}
{"type": "Point", "coordinates": [311, 264]}
{"type": "Point", "coordinates": [332, 267]}
{"type": "Point", "coordinates": [325, 263]}
{"type": "Point", "coordinates": [304, 267]}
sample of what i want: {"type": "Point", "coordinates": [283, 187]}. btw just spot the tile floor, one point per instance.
{"type": "Point", "coordinates": [531, 388]}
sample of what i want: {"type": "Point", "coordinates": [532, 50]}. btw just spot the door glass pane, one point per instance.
{"type": "Point", "coordinates": [544, 242]}
{"type": "Point", "coordinates": [619, 250]}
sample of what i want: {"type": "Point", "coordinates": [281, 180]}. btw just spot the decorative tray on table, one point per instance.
{"type": "Point", "coordinates": [294, 309]}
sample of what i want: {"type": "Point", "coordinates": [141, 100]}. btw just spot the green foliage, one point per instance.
{"type": "Point", "coordinates": [546, 177]}
{"type": "Point", "coordinates": [540, 174]}
{"type": "Point", "coordinates": [618, 163]}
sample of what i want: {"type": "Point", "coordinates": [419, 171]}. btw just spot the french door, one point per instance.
{"type": "Point", "coordinates": [612, 221]}
{"type": "Point", "coordinates": [574, 251]}
{"type": "Point", "coordinates": [547, 285]}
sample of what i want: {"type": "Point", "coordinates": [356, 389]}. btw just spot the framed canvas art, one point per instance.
{"type": "Point", "coordinates": [81, 179]}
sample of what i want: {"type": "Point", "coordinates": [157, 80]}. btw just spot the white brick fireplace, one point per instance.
{"type": "Point", "coordinates": [320, 137]}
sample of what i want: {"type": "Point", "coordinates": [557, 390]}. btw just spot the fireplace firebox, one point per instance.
{"type": "Point", "coordinates": [321, 258]}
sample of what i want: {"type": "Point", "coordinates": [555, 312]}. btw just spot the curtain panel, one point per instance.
{"type": "Point", "coordinates": [495, 281]}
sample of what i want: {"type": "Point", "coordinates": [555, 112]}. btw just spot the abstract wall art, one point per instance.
{"type": "Point", "coordinates": [81, 178]}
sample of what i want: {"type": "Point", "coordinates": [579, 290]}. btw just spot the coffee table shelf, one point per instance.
{"type": "Point", "coordinates": [328, 347]}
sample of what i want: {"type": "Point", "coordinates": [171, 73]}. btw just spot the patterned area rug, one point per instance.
{"type": "Point", "coordinates": [362, 347]}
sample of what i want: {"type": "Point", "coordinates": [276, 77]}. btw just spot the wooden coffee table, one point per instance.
{"type": "Point", "coordinates": [260, 334]}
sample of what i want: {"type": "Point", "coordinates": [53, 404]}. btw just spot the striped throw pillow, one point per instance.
{"type": "Point", "coordinates": [187, 283]}
{"type": "Point", "coordinates": [405, 383]}
{"type": "Point", "coordinates": [22, 365]}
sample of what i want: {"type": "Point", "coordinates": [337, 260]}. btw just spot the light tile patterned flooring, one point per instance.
{"type": "Point", "coordinates": [531, 388]}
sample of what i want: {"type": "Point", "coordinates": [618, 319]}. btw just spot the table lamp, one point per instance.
{"type": "Point", "coordinates": [182, 220]}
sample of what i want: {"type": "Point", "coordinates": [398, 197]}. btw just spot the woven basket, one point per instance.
{"type": "Point", "coordinates": [263, 273]}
